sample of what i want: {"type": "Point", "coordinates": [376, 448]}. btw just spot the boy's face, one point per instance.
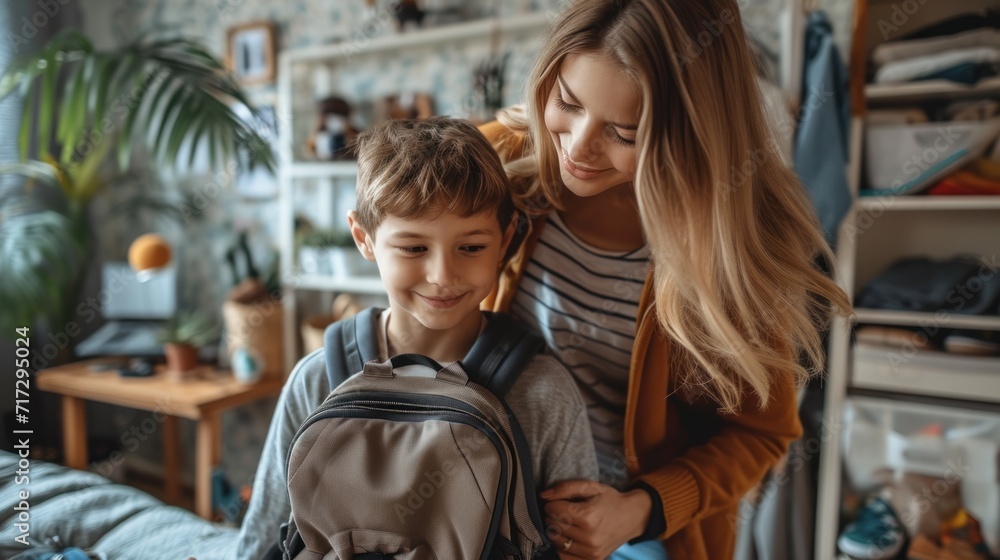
{"type": "Point", "coordinates": [436, 268]}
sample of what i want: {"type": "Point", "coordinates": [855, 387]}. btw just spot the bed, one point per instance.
{"type": "Point", "coordinates": [76, 508]}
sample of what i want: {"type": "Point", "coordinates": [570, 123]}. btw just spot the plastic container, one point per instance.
{"type": "Point", "coordinates": [908, 158]}
{"type": "Point", "coordinates": [957, 446]}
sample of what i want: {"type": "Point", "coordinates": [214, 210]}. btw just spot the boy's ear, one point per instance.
{"type": "Point", "coordinates": [508, 235]}
{"type": "Point", "coordinates": [365, 242]}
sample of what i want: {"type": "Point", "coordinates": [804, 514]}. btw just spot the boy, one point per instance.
{"type": "Point", "coordinates": [435, 214]}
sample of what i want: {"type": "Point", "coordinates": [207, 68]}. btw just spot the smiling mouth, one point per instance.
{"type": "Point", "coordinates": [578, 171]}
{"type": "Point", "coordinates": [442, 302]}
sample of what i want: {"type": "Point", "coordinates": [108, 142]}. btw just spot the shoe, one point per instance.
{"type": "Point", "coordinates": [876, 534]}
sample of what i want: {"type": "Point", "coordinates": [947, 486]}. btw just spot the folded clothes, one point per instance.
{"type": "Point", "coordinates": [965, 183]}
{"type": "Point", "coordinates": [971, 18]}
{"type": "Point", "coordinates": [966, 73]}
{"type": "Point", "coordinates": [924, 285]}
{"type": "Point", "coordinates": [922, 66]}
{"type": "Point", "coordinates": [897, 51]}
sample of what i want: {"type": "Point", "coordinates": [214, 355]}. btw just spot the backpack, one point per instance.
{"type": "Point", "coordinates": [414, 467]}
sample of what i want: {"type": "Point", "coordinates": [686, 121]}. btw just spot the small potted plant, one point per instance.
{"type": "Point", "coordinates": [314, 251]}
{"type": "Point", "coordinates": [183, 335]}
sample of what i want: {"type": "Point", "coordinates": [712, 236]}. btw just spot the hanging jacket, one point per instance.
{"type": "Point", "coordinates": [821, 142]}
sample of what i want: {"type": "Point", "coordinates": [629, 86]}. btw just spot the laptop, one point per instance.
{"type": "Point", "coordinates": [135, 312]}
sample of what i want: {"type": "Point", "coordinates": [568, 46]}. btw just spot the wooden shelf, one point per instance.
{"type": "Point", "coordinates": [911, 203]}
{"type": "Point", "coordinates": [357, 285]}
{"type": "Point", "coordinates": [930, 89]}
{"type": "Point", "coordinates": [942, 319]}
{"type": "Point", "coordinates": [323, 169]}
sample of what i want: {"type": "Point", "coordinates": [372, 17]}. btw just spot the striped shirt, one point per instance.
{"type": "Point", "coordinates": [584, 302]}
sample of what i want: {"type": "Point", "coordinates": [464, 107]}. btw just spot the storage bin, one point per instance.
{"type": "Point", "coordinates": [926, 372]}
{"type": "Point", "coordinates": [958, 445]}
{"type": "Point", "coordinates": [907, 158]}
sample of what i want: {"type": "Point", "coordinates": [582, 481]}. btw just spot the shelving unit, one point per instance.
{"type": "Point", "coordinates": [876, 232]}
{"type": "Point", "coordinates": [334, 181]}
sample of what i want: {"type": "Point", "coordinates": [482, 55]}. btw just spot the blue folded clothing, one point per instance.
{"type": "Point", "coordinates": [962, 285]}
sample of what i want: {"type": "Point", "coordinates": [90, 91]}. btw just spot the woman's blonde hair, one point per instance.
{"type": "Point", "coordinates": [733, 237]}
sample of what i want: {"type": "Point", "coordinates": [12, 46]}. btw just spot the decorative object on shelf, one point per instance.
{"type": "Point", "coordinates": [246, 365]}
{"type": "Point", "coordinates": [182, 336]}
{"type": "Point", "coordinates": [251, 52]}
{"type": "Point", "coordinates": [407, 105]}
{"type": "Point", "coordinates": [488, 80]}
{"type": "Point", "coordinates": [333, 131]}
{"type": "Point", "coordinates": [148, 255]}
{"type": "Point", "coordinates": [408, 12]}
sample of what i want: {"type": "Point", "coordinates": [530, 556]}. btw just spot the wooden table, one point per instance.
{"type": "Point", "coordinates": [202, 399]}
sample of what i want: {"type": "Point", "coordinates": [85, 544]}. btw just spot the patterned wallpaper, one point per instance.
{"type": "Point", "coordinates": [202, 243]}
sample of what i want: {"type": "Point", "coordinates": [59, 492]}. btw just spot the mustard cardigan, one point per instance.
{"type": "Point", "coordinates": [700, 461]}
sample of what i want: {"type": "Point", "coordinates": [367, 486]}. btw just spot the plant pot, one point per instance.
{"type": "Point", "coordinates": [181, 357]}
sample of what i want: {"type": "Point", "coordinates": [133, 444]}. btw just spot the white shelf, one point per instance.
{"type": "Point", "coordinates": [941, 319]}
{"type": "Point", "coordinates": [910, 203]}
{"type": "Point", "coordinates": [930, 89]}
{"type": "Point", "coordinates": [412, 39]}
{"type": "Point", "coordinates": [930, 373]}
{"type": "Point", "coordinates": [323, 169]}
{"type": "Point", "coordinates": [358, 285]}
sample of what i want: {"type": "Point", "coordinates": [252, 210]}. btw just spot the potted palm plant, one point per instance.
{"type": "Point", "coordinates": [84, 111]}
{"type": "Point", "coordinates": [183, 335]}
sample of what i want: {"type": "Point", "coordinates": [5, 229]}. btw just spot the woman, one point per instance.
{"type": "Point", "coordinates": [669, 263]}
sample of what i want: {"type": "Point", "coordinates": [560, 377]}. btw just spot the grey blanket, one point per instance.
{"type": "Point", "coordinates": [76, 508]}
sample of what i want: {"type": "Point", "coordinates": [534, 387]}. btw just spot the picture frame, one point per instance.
{"type": "Point", "coordinates": [251, 52]}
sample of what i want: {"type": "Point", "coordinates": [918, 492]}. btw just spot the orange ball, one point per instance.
{"type": "Point", "coordinates": [148, 252]}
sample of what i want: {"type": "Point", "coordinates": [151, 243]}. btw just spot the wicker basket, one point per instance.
{"type": "Point", "coordinates": [257, 326]}
{"type": "Point", "coordinates": [315, 326]}
{"type": "Point", "coordinates": [312, 331]}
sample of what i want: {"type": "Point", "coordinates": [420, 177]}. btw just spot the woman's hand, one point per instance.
{"type": "Point", "coordinates": [593, 518]}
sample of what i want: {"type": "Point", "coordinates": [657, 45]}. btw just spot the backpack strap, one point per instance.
{"type": "Point", "coordinates": [349, 343]}
{"type": "Point", "coordinates": [495, 361]}
{"type": "Point", "coordinates": [500, 353]}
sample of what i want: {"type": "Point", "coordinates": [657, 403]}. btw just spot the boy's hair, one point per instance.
{"type": "Point", "coordinates": [407, 168]}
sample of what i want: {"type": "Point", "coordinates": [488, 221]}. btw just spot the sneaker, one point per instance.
{"type": "Point", "coordinates": [876, 534]}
